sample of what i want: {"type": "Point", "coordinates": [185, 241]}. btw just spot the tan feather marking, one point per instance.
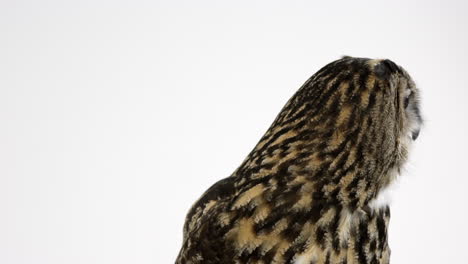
{"type": "Point", "coordinates": [337, 257]}
{"type": "Point", "coordinates": [269, 241]}
{"type": "Point", "coordinates": [314, 162]}
{"type": "Point", "coordinates": [344, 226]}
{"type": "Point", "coordinates": [374, 62]}
{"type": "Point", "coordinates": [270, 159]}
{"type": "Point", "coordinates": [193, 221]}
{"type": "Point", "coordinates": [365, 98]}
{"type": "Point", "coordinates": [351, 254]}
{"type": "Point", "coordinates": [344, 114]}
{"type": "Point", "coordinates": [245, 236]}
{"type": "Point", "coordinates": [310, 255]}
{"type": "Point", "coordinates": [262, 209]}
{"type": "Point", "coordinates": [372, 228]}
{"type": "Point", "coordinates": [336, 161]}
{"type": "Point", "coordinates": [329, 188]}
{"type": "Point", "coordinates": [361, 189]}
{"type": "Point", "coordinates": [343, 90]}
{"type": "Point", "coordinates": [290, 155]}
{"type": "Point", "coordinates": [263, 172]}
{"type": "Point", "coordinates": [297, 180]}
{"type": "Point", "coordinates": [351, 158]}
{"type": "Point", "coordinates": [246, 239]}
{"type": "Point", "coordinates": [306, 232]}
{"type": "Point", "coordinates": [248, 195]}
{"type": "Point", "coordinates": [280, 226]}
{"type": "Point", "coordinates": [208, 206]}
{"type": "Point", "coordinates": [307, 187]}
{"type": "Point", "coordinates": [385, 256]}
{"type": "Point", "coordinates": [261, 143]}
{"type": "Point", "coordinates": [327, 217]}
{"type": "Point", "coordinates": [365, 93]}
{"type": "Point", "coordinates": [336, 139]}
{"type": "Point", "coordinates": [224, 219]}
{"type": "Point", "coordinates": [303, 203]}
{"type": "Point", "coordinates": [261, 212]}
{"type": "Point", "coordinates": [281, 248]}
{"type": "Point", "coordinates": [345, 181]}
{"type": "Point", "coordinates": [279, 163]}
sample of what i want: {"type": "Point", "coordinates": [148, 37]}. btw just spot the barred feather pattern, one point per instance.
{"type": "Point", "coordinates": [303, 193]}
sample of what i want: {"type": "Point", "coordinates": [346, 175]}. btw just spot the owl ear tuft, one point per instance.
{"type": "Point", "coordinates": [385, 68]}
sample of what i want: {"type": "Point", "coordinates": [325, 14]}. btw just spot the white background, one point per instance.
{"type": "Point", "coordinates": [115, 116]}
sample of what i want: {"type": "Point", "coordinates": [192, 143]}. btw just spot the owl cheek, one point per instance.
{"type": "Point", "coordinates": [415, 122]}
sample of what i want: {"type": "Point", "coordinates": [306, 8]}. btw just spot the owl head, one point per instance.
{"type": "Point", "coordinates": [395, 113]}
{"type": "Point", "coordinates": [408, 117]}
{"type": "Point", "coordinates": [352, 121]}
{"type": "Point", "coordinates": [407, 96]}
{"type": "Point", "coordinates": [349, 128]}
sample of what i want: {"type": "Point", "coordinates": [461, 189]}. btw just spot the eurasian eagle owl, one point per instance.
{"type": "Point", "coordinates": [307, 192]}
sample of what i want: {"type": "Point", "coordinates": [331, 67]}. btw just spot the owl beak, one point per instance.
{"type": "Point", "coordinates": [415, 134]}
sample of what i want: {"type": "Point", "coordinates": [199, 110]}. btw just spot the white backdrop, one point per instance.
{"type": "Point", "coordinates": [115, 116]}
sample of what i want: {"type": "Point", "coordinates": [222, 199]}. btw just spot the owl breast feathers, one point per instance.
{"type": "Point", "coordinates": [306, 192]}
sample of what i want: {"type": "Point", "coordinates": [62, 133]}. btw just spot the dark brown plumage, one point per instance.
{"type": "Point", "coordinates": [306, 192]}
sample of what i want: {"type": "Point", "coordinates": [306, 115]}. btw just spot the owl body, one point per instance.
{"type": "Point", "coordinates": [309, 190]}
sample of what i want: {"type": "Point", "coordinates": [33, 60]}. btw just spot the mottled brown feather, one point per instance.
{"type": "Point", "coordinates": [303, 194]}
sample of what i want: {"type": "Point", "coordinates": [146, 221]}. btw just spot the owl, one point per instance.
{"type": "Point", "coordinates": [309, 191]}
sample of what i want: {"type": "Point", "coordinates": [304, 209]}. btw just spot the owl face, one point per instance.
{"type": "Point", "coordinates": [409, 102]}
{"type": "Point", "coordinates": [411, 106]}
